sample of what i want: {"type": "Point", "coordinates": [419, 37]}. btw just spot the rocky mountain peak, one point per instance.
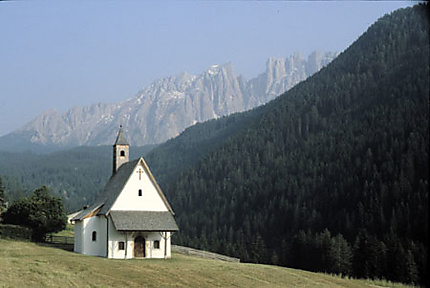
{"type": "Point", "coordinates": [171, 104]}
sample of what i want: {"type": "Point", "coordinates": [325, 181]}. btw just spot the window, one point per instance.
{"type": "Point", "coordinates": [122, 153]}
{"type": "Point", "coordinates": [140, 192]}
{"type": "Point", "coordinates": [94, 236]}
{"type": "Point", "coordinates": [156, 244]}
{"type": "Point", "coordinates": [121, 245]}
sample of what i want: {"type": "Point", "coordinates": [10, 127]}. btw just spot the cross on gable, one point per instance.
{"type": "Point", "coordinates": [140, 173]}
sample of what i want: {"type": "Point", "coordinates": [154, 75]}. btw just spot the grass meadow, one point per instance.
{"type": "Point", "coordinates": [27, 264]}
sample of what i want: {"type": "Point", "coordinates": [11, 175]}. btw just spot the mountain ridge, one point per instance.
{"type": "Point", "coordinates": [168, 105]}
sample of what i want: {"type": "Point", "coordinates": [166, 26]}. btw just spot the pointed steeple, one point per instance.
{"type": "Point", "coordinates": [120, 151]}
{"type": "Point", "coordinates": [120, 139]}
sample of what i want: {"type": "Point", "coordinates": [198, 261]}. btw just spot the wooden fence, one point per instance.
{"type": "Point", "coordinates": [51, 239]}
{"type": "Point", "coordinates": [202, 254]}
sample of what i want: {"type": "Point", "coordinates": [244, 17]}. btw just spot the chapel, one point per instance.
{"type": "Point", "coordinates": [131, 217]}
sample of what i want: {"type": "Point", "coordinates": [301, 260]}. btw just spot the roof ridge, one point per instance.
{"type": "Point", "coordinates": [116, 183]}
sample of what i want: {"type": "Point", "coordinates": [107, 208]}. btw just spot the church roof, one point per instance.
{"type": "Point", "coordinates": [143, 221]}
{"type": "Point", "coordinates": [91, 210]}
{"type": "Point", "coordinates": [120, 139]}
{"type": "Point", "coordinates": [114, 187]}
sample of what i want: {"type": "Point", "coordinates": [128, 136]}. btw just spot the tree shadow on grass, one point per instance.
{"type": "Point", "coordinates": [66, 247]}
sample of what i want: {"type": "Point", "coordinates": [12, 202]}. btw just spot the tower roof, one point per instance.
{"type": "Point", "coordinates": [120, 139]}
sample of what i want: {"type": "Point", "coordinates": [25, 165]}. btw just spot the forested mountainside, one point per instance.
{"type": "Point", "coordinates": [165, 108]}
{"type": "Point", "coordinates": [169, 159]}
{"type": "Point", "coordinates": [76, 175]}
{"type": "Point", "coordinates": [331, 176]}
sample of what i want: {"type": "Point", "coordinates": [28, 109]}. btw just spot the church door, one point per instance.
{"type": "Point", "coordinates": [139, 246]}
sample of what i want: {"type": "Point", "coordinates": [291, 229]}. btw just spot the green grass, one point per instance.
{"type": "Point", "coordinates": [30, 265]}
{"type": "Point", "coordinates": [68, 232]}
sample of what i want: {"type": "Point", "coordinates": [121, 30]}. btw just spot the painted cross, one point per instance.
{"type": "Point", "coordinates": [140, 172]}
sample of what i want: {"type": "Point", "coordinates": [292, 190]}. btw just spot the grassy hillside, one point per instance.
{"type": "Point", "coordinates": [27, 264]}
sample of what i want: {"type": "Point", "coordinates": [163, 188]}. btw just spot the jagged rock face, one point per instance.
{"type": "Point", "coordinates": [170, 105]}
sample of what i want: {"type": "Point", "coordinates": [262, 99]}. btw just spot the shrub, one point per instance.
{"type": "Point", "coordinates": [40, 212]}
{"type": "Point", "coordinates": [8, 231]}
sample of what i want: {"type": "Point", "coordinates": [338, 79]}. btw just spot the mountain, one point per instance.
{"type": "Point", "coordinates": [331, 176]}
{"type": "Point", "coordinates": [167, 106]}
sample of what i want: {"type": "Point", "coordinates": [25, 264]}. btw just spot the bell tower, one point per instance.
{"type": "Point", "coordinates": [120, 151]}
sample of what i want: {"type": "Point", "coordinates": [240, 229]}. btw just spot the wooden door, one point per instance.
{"type": "Point", "coordinates": [139, 246]}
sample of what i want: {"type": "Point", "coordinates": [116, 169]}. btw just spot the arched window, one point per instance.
{"type": "Point", "coordinates": [140, 193]}
{"type": "Point", "coordinates": [122, 153]}
{"type": "Point", "coordinates": [94, 236]}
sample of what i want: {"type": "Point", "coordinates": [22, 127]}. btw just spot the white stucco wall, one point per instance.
{"type": "Point", "coordinates": [129, 198]}
{"type": "Point", "coordinates": [83, 236]}
{"type": "Point", "coordinates": [85, 245]}
{"type": "Point", "coordinates": [78, 229]}
{"type": "Point", "coordinates": [151, 252]}
{"type": "Point", "coordinates": [128, 238]}
{"type": "Point", "coordinates": [114, 238]}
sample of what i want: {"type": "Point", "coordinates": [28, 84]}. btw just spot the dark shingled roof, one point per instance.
{"type": "Point", "coordinates": [113, 188]}
{"type": "Point", "coordinates": [143, 221]}
{"type": "Point", "coordinates": [115, 185]}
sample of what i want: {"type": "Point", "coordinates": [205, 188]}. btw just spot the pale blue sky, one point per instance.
{"type": "Point", "coordinates": [60, 54]}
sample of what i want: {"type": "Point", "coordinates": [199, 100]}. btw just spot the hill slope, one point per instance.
{"type": "Point", "coordinates": [339, 161]}
{"type": "Point", "coordinates": [26, 264]}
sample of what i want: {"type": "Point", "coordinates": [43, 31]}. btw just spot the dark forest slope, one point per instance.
{"type": "Point", "coordinates": [179, 154]}
{"type": "Point", "coordinates": [331, 176]}
{"type": "Point", "coordinates": [76, 175]}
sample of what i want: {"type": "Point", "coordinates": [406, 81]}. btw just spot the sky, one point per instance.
{"type": "Point", "coordinates": [61, 54]}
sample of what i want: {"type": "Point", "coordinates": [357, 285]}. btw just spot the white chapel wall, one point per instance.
{"type": "Point", "coordinates": [153, 252]}
{"type": "Point", "coordinates": [128, 238]}
{"type": "Point", "coordinates": [114, 238]}
{"type": "Point", "coordinates": [78, 244]}
{"type": "Point", "coordinates": [129, 198]}
{"type": "Point", "coordinates": [94, 224]}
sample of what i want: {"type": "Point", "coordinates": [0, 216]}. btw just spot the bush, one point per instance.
{"type": "Point", "coordinates": [40, 212]}
{"type": "Point", "coordinates": [8, 231]}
